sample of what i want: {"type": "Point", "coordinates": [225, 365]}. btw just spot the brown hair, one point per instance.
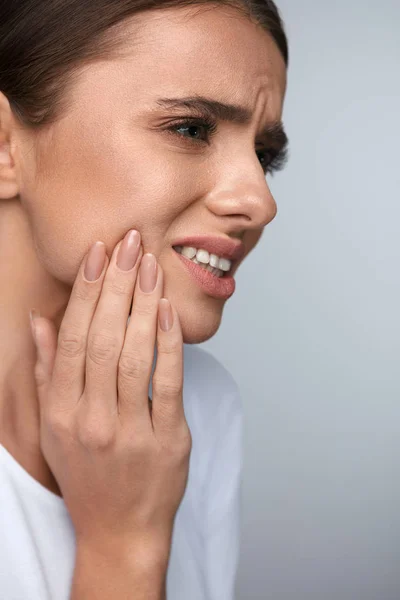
{"type": "Point", "coordinates": [44, 44]}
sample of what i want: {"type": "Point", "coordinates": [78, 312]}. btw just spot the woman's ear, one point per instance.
{"type": "Point", "coordinates": [8, 175]}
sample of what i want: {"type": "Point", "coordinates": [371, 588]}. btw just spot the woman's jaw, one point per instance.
{"type": "Point", "coordinates": [199, 312]}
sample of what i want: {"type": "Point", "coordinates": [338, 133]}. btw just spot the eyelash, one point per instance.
{"type": "Point", "coordinates": [278, 158]}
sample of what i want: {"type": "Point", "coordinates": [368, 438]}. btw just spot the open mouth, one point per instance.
{"type": "Point", "coordinates": [215, 265]}
{"type": "Point", "coordinates": [206, 262]}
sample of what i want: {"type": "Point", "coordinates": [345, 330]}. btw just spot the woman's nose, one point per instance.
{"type": "Point", "coordinates": [244, 195]}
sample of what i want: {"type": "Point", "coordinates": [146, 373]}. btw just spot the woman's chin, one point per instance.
{"type": "Point", "coordinates": [199, 325]}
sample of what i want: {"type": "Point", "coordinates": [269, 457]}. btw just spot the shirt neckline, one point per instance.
{"type": "Point", "coordinates": [28, 481]}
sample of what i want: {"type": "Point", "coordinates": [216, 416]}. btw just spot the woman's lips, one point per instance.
{"type": "Point", "coordinates": [217, 287]}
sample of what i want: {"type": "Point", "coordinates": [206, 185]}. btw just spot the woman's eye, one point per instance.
{"type": "Point", "coordinates": [265, 158]}
{"type": "Point", "coordinates": [193, 130]}
{"type": "Point", "coordinates": [196, 131]}
{"type": "Point", "coordinates": [201, 131]}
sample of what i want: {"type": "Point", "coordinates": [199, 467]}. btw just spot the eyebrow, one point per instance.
{"type": "Point", "coordinates": [273, 132]}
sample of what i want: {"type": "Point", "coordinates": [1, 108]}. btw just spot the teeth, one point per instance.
{"type": "Point", "coordinates": [188, 252]}
{"type": "Point", "coordinates": [214, 260]}
{"type": "Point", "coordinates": [203, 257]}
{"type": "Point", "coordinates": [224, 264]}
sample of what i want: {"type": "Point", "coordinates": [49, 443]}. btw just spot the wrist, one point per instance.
{"type": "Point", "coordinates": [147, 553]}
{"type": "Point", "coordinates": [117, 570]}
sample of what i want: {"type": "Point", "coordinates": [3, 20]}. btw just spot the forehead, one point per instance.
{"type": "Point", "coordinates": [203, 50]}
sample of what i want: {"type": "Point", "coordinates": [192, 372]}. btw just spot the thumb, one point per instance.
{"type": "Point", "coordinates": [45, 337]}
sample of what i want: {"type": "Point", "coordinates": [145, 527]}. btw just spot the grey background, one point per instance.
{"type": "Point", "coordinates": [312, 332]}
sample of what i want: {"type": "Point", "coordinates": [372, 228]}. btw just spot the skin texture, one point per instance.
{"type": "Point", "coordinates": [108, 166]}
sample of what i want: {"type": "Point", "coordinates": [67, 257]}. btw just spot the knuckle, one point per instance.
{"type": "Point", "coordinates": [96, 437]}
{"type": "Point", "coordinates": [167, 386]}
{"type": "Point", "coordinates": [102, 348]}
{"type": "Point", "coordinates": [176, 447]}
{"type": "Point", "coordinates": [170, 346]}
{"type": "Point", "coordinates": [132, 366]}
{"type": "Point", "coordinates": [71, 344]}
{"type": "Point", "coordinates": [170, 371]}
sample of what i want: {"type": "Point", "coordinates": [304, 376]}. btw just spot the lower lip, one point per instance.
{"type": "Point", "coordinates": [218, 287]}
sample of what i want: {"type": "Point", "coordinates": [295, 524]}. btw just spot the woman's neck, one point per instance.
{"type": "Point", "coordinates": [24, 284]}
{"type": "Point", "coordinates": [20, 420]}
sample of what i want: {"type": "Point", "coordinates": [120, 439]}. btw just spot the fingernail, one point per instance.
{"type": "Point", "coordinates": [95, 261]}
{"type": "Point", "coordinates": [148, 273]}
{"type": "Point", "coordinates": [129, 251]}
{"type": "Point", "coordinates": [33, 314]}
{"type": "Point", "coordinates": [165, 314]}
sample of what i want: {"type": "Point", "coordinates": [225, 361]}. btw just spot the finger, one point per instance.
{"type": "Point", "coordinates": [136, 361]}
{"type": "Point", "coordinates": [46, 346]}
{"type": "Point", "coordinates": [68, 377]}
{"type": "Point", "coordinates": [168, 411]}
{"type": "Point", "coordinates": [108, 327]}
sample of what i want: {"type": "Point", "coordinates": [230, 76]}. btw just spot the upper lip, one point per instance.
{"type": "Point", "coordinates": [222, 247]}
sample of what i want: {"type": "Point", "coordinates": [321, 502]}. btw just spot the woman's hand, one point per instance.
{"type": "Point", "coordinates": [122, 467]}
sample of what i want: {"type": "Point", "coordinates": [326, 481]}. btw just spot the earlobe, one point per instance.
{"type": "Point", "coordinates": [8, 180]}
{"type": "Point", "coordinates": [8, 176]}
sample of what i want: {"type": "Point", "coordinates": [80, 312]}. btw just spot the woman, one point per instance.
{"type": "Point", "coordinates": [161, 118]}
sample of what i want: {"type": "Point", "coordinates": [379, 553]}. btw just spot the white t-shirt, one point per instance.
{"type": "Point", "coordinates": [37, 540]}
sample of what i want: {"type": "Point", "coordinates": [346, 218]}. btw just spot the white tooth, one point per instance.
{"type": "Point", "coordinates": [224, 264]}
{"type": "Point", "coordinates": [203, 256]}
{"type": "Point", "coordinates": [214, 260]}
{"type": "Point", "coordinates": [189, 252]}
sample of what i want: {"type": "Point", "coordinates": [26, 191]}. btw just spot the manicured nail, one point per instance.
{"type": "Point", "coordinates": [148, 273]}
{"type": "Point", "coordinates": [129, 251]}
{"type": "Point", "coordinates": [165, 314]}
{"type": "Point", "coordinates": [33, 314]}
{"type": "Point", "coordinates": [95, 261]}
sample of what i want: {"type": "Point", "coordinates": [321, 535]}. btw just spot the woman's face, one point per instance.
{"type": "Point", "coordinates": [112, 163]}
